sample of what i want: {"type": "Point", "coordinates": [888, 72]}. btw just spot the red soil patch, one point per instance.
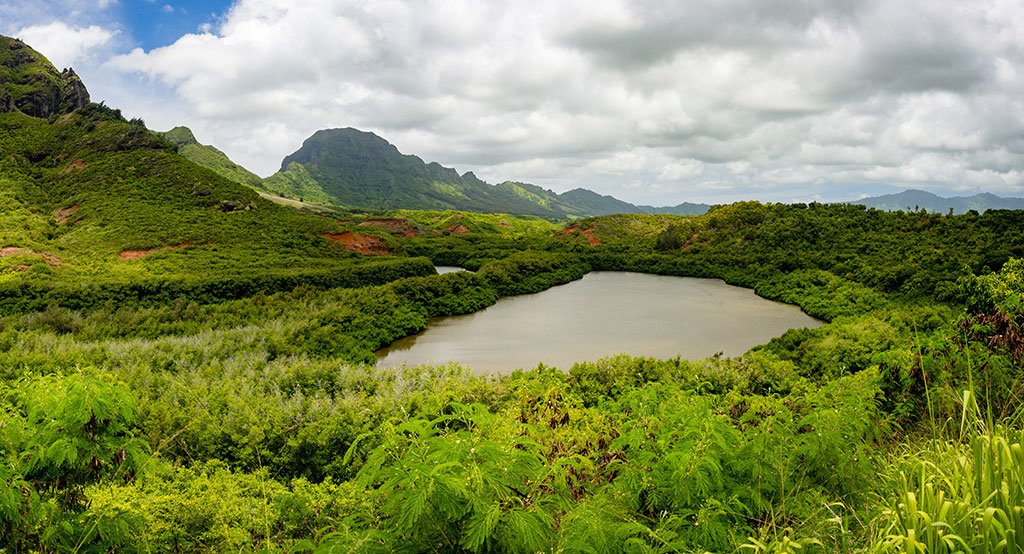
{"type": "Point", "coordinates": [504, 224]}
{"type": "Point", "coordinates": [457, 229]}
{"type": "Point", "coordinates": [75, 166]}
{"type": "Point", "coordinates": [63, 216]}
{"type": "Point", "coordinates": [567, 231]}
{"type": "Point", "coordinates": [137, 254]}
{"type": "Point", "coordinates": [365, 244]}
{"type": "Point", "coordinates": [574, 229]}
{"type": "Point", "coordinates": [589, 234]}
{"type": "Point", "coordinates": [13, 251]}
{"type": "Point", "coordinates": [19, 251]}
{"type": "Point", "coordinates": [399, 227]}
{"type": "Point", "coordinates": [51, 259]}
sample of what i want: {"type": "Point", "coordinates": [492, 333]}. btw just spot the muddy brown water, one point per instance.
{"type": "Point", "coordinates": [603, 314]}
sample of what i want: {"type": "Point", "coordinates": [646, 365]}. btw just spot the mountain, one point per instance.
{"type": "Point", "coordinates": [103, 206]}
{"type": "Point", "coordinates": [912, 200]}
{"type": "Point", "coordinates": [358, 169]}
{"type": "Point", "coordinates": [208, 156]}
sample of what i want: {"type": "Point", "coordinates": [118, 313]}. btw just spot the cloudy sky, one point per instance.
{"type": "Point", "coordinates": [654, 102]}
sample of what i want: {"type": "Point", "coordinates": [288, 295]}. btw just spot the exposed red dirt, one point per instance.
{"type": "Point", "coordinates": [13, 251]}
{"type": "Point", "coordinates": [567, 231]}
{"type": "Point", "coordinates": [505, 224]}
{"type": "Point", "coordinates": [138, 254]}
{"type": "Point", "coordinates": [589, 234]}
{"type": "Point", "coordinates": [75, 166]}
{"type": "Point", "coordinates": [64, 215]}
{"type": "Point", "coordinates": [365, 244]}
{"type": "Point", "coordinates": [399, 227]}
{"type": "Point", "coordinates": [19, 251]}
{"type": "Point", "coordinates": [51, 259]}
{"type": "Point", "coordinates": [574, 229]}
{"type": "Point", "coordinates": [457, 229]}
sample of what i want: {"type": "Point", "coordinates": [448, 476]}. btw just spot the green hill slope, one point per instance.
{"type": "Point", "coordinates": [353, 168]}
{"type": "Point", "coordinates": [210, 157]}
{"type": "Point", "coordinates": [96, 207]}
{"type": "Point", "coordinates": [361, 170]}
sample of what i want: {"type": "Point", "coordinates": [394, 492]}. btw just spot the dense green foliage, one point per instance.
{"type": "Point", "coordinates": [355, 169]}
{"type": "Point", "coordinates": [209, 157]}
{"type": "Point", "coordinates": [268, 437]}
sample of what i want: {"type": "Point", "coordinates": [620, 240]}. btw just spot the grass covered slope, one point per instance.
{"type": "Point", "coordinates": [97, 208]}
{"type": "Point", "coordinates": [209, 157]}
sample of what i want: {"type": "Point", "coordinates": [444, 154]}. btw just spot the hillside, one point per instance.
{"type": "Point", "coordinates": [92, 200]}
{"type": "Point", "coordinates": [913, 200]}
{"type": "Point", "coordinates": [356, 169]}
{"type": "Point", "coordinates": [210, 157]}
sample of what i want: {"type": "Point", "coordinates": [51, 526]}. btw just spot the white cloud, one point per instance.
{"type": "Point", "coordinates": [65, 46]}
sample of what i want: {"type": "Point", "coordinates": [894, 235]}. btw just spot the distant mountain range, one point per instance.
{"type": "Point", "coordinates": [357, 169]}
{"type": "Point", "coordinates": [913, 200]}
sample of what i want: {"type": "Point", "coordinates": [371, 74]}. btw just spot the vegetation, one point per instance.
{"type": "Point", "coordinates": [209, 157]}
{"type": "Point", "coordinates": [356, 169]}
{"type": "Point", "coordinates": [217, 393]}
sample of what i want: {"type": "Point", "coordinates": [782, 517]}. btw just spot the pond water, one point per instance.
{"type": "Point", "coordinates": [442, 269]}
{"type": "Point", "coordinates": [602, 314]}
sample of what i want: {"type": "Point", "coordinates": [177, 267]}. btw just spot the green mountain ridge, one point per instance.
{"type": "Point", "coordinates": [361, 170]}
{"type": "Point", "coordinates": [210, 157]}
{"type": "Point", "coordinates": [913, 200]}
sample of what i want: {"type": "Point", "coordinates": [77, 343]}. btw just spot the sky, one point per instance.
{"type": "Point", "coordinates": [653, 102]}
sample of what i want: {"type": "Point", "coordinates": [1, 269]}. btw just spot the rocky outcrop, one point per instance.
{"type": "Point", "coordinates": [29, 83]}
{"type": "Point", "coordinates": [6, 102]}
{"type": "Point", "coordinates": [73, 92]}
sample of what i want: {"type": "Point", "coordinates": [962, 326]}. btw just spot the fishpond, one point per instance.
{"type": "Point", "coordinates": [603, 314]}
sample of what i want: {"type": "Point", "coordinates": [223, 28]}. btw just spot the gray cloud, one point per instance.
{"type": "Point", "coordinates": [652, 101]}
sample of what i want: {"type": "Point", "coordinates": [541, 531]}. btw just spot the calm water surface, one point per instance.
{"type": "Point", "coordinates": [602, 314]}
{"type": "Point", "coordinates": [442, 269]}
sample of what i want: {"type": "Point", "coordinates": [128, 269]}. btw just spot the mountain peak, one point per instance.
{"type": "Point", "coordinates": [29, 83]}
{"type": "Point", "coordinates": [181, 136]}
{"type": "Point", "coordinates": [333, 145]}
